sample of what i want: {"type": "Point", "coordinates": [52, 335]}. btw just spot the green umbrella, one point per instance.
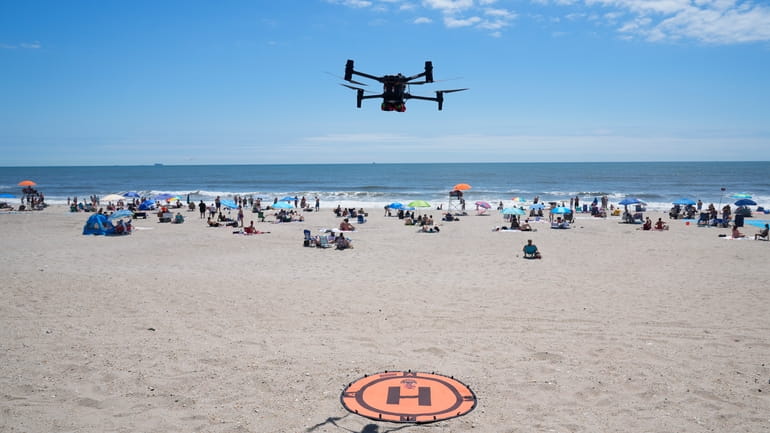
{"type": "Point", "coordinates": [419, 203]}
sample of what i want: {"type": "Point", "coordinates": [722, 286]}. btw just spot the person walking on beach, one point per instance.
{"type": "Point", "coordinates": [317, 204]}
{"type": "Point", "coordinates": [202, 209]}
{"type": "Point", "coordinates": [240, 216]}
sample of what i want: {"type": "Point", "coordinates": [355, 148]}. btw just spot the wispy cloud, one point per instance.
{"type": "Point", "coordinates": [710, 21]}
{"type": "Point", "coordinates": [476, 14]}
{"type": "Point", "coordinates": [24, 45]}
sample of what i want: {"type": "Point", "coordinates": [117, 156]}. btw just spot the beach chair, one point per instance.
{"type": "Point", "coordinates": [530, 252]}
{"type": "Point", "coordinates": [323, 242]}
{"type": "Point", "coordinates": [166, 217]}
{"type": "Point", "coordinates": [309, 240]}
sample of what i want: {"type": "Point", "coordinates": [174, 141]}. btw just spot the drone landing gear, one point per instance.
{"type": "Point", "coordinates": [388, 106]}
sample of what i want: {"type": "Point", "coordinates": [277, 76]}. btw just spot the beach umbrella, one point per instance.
{"type": "Point", "coordinates": [745, 202]}
{"type": "Point", "coordinates": [513, 211]}
{"type": "Point", "coordinates": [461, 187]}
{"type": "Point", "coordinates": [282, 205]}
{"type": "Point", "coordinates": [561, 210]}
{"type": "Point", "coordinates": [518, 199]}
{"type": "Point", "coordinates": [287, 198]}
{"type": "Point", "coordinates": [483, 204]}
{"type": "Point", "coordinates": [537, 206]}
{"type": "Point", "coordinates": [684, 202]}
{"type": "Point", "coordinates": [228, 204]}
{"type": "Point", "coordinates": [164, 196]}
{"type": "Point", "coordinates": [27, 183]}
{"type": "Point", "coordinates": [6, 195]}
{"type": "Point", "coordinates": [419, 203]}
{"type": "Point", "coordinates": [741, 195]}
{"type": "Point", "coordinates": [630, 200]}
{"type": "Point", "coordinates": [123, 213]}
{"type": "Point", "coordinates": [396, 205]}
{"type": "Point", "coordinates": [132, 194]}
{"type": "Point", "coordinates": [113, 197]}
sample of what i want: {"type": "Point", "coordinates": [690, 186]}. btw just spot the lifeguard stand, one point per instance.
{"type": "Point", "coordinates": [455, 202]}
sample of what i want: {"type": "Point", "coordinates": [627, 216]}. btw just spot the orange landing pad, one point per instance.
{"type": "Point", "coordinates": [408, 397]}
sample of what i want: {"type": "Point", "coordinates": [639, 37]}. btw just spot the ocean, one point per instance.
{"type": "Point", "coordinates": [375, 185]}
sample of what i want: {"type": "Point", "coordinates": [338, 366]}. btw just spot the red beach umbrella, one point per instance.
{"type": "Point", "coordinates": [27, 183]}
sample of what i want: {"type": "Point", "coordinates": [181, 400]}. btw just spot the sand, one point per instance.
{"type": "Point", "coordinates": [185, 328]}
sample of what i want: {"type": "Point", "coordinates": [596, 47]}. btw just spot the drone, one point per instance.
{"type": "Point", "coordinates": [395, 88]}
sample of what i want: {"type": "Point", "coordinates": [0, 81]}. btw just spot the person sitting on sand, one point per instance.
{"type": "Point", "coordinates": [342, 242]}
{"type": "Point", "coordinates": [426, 229]}
{"type": "Point", "coordinates": [530, 249]}
{"type": "Point", "coordinates": [647, 224]}
{"type": "Point", "coordinates": [345, 226]}
{"type": "Point", "coordinates": [763, 234]}
{"type": "Point", "coordinates": [212, 223]}
{"type": "Point", "coordinates": [250, 230]}
{"type": "Point", "coordinates": [660, 225]}
{"type": "Point", "coordinates": [525, 227]}
{"type": "Point", "coordinates": [736, 233]}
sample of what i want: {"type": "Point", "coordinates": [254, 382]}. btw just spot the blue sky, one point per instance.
{"type": "Point", "coordinates": [203, 82]}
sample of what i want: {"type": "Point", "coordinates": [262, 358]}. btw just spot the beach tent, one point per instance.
{"type": "Point", "coordinates": [228, 204]}
{"type": "Point", "coordinates": [147, 205]}
{"type": "Point", "coordinates": [98, 224]}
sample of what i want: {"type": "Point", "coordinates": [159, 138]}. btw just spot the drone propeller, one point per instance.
{"type": "Point", "coordinates": [351, 87]}
{"type": "Point", "coordinates": [352, 81]}
{"type": "Point", "coordinates": [452, 90]}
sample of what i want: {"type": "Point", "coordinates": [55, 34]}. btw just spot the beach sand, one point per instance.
{"type": "Point", "coordinates": [185, 328]}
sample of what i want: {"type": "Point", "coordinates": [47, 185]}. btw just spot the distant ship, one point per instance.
{"type": "Point", "coordinates": [157, 164]}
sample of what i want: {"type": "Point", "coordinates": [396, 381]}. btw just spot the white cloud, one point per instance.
{"type": "Point", "coordinates": [352, 3]}
{"type": "Point", "coordinates": [26, 45]}
{"type": "Point", "coordinates": [477, 14]}
{"type": "Point", "coordinates": [710, 21]}
{"type": "Point", "coordinates": [449, 6]}
{"type": "Point", "coordinates": [452, 22]}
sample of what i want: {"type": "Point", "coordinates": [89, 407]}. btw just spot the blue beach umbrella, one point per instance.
{"type": "Point", "coordinates": [561, 210]}
{"type": "Point", "coordinates": [741, 195]}
{"type": "Point", "coordinates": [684, 202]}
{"type": "Point", "coordinates": [537, 206]}
{"type": "Point", "coordinates": [287, 198]}
{"type": "Point", "coordinates": [630, 200]}
{"type": "Point", "coordinates": [123, 213]}
{"type": "Point", "coordinates": [133, 194]}
{"type": "Point", "coordinates": [282, 205]}
{"type": "Point", "coordinates": [745, 202]}
{"type": "Point", "coordinates": [396, 205]}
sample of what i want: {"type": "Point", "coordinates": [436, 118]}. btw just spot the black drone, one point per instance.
{"type": "Point", "coordinates": [395, 88]}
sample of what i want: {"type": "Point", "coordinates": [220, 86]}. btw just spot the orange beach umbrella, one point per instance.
{"type": "Point", "coordinates": [462, 187]}
{"type": "Point", "coordinates": [27, 183]}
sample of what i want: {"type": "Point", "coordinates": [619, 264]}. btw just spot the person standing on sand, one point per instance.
{"type": "Point", "coordinates": [202, 209]}
{"type": "Point", "coordinates": [218, 204]}
{"type": "Point", "coordinates": [240, 216]}
{"type": "Point", "coordinates": [317, 204]}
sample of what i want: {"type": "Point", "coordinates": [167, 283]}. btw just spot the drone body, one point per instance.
{"type": "Point", "coordinates": [395, 88]}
